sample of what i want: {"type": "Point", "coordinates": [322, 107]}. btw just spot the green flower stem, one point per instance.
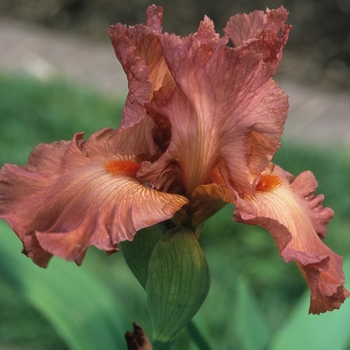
{"type": "Point", "coordinates": [162, 346]}
{"type": "Point", "coordinates": [197, 337]}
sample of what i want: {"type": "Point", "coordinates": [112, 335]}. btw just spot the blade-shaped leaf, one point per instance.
{"type": "Point", "coordinates": [81, 309]}
{"type": "Point", "coordinates": [249, 321]}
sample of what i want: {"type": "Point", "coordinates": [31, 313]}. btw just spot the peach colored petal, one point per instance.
{"type": "Point", "coordinates": [225, 110]}
{"type": "Point", "coordinates": [215, 104]}
{"type": "Point", "coordinates": [140, 54]}
{"type": "Point", "coordinates": [140, 139]}
{"type": "Point", "coordinates": [295, 217]}
{"type": "Point", "coordinates": [71, 195]}
{"type": "Point", "coordinates": [242, 27]}
{"type": "Point", "coordinates": [264, 33]}
{"type": "Point", "coordinates": [207, 200]}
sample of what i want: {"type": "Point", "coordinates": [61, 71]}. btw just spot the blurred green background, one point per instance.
{"type": "Point", "coordinates": [256, 301]}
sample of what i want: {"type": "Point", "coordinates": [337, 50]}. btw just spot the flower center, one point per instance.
{"type": "Point", "coordinates": [268, 183]}
{"type": "Point", "coordinates": [118, 167]}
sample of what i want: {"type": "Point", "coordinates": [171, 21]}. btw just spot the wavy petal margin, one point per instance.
{"type": "Point", "coordinates": [287, 208]}
{"type": "Point", "coordinates": [138, 50]}
{"type": "Point", "coordinates": [224, 108]}
{"type": "Point", "coordinates": [262, 32]}
{"type": "Point", "coordinates": [75, 194]}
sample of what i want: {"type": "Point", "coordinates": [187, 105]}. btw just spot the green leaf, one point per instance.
{"type": "Point", "coordinates": [249, 322]}
{"type": "Point", "coordinates": [178, 283]}
{"type": "Point", "coordinates": [197, 336]}
{"type": "Point", "coordinates": [81, 309]}
{"type": "Point", "coordinates": [313, 332]}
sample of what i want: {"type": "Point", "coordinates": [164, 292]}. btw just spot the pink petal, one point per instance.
{"type": "Point", "coordinates": [138, 139]}
{"type": "Point", "coordinates": [295, 217]}
{"type": "Point", "coordinates": [200, 90]}
{"type": "Point", "coordinates": [264, 33]}
{"type": "Point", "coordinates": [243, 27]}
{"type": "Point", "coordinates": [75, 194]}
{"type": "Point", "coordinates": [207, 200]}
{"type": "Point", "coordinates": [225, 111]}
{"type": "Point", "coordinates": [140, 54]}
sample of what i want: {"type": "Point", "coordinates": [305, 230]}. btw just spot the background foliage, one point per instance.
{"type": "Point", "coordinates": [256, 300]}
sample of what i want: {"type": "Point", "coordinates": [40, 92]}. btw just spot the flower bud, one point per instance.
{"type": "Point", "coordinates": [178, 283]}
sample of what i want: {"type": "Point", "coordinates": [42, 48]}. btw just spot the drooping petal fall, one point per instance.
{"type": "Point", "coordinates": [296, 219]}
{"type": "Point", "coordinates": [79, 193]}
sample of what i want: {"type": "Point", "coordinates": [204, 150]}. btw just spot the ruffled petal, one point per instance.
{"type": "Point", "coordinates": [225, 110]}
{"type": "Point", "coordinates": [140, 54]}
{"type": "Point", "coordinates": [295, 217]}
{"type": "Point", "coordinates": [145, 136]}
{"type": "Point", "coordinates": [75, 194]}
{"type": "Point", "coordinates": [263, 33]}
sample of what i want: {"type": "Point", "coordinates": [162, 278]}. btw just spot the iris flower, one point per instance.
{"type": "Point", "coordinates": [201, 123]}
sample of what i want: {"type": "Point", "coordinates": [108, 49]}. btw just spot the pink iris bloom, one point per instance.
{"type": "Point", "coordinates": [200, 126]}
